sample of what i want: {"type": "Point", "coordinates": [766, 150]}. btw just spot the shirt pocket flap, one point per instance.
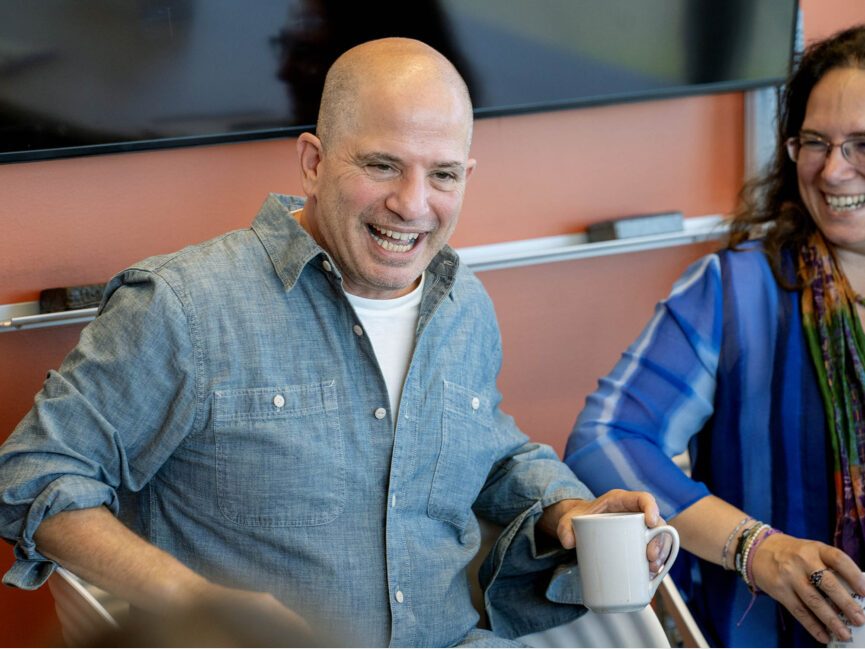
{"type": "Point", "coordinates": [467, 403]}
{"type": "Point", "coordinates": [274, 402]}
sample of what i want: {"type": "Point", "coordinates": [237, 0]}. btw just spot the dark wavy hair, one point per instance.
{"type": "Point", "coordinates": [770, 206]}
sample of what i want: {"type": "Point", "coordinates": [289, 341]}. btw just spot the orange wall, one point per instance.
{"type": "Point", "coordinates": [689, 159]}
{"type": "Point", "coordinates": [823, 17]}
{"type": "Point", "coordinates": [77, 221]}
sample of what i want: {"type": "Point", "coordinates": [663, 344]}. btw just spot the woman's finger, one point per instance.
{"type": "Point", "coordinates": [802, 612]}
{"type": "Point", "coordinates": [831, 587]}
{"type": "Point", "coordinates": [822, 608]}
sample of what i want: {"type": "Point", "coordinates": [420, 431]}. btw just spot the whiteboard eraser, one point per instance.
{"type": "Point", "coordinates": [635, 226]}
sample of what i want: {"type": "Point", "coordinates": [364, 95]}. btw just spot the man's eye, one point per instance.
{"type": "Point", "coordinates": [445, 176]}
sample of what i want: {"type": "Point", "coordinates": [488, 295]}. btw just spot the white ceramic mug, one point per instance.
{"type": "Point", "coordinates": [611, 556]}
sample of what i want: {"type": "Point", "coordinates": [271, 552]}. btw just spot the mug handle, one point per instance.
{"type": "Point", "coordinates": [674, 552]}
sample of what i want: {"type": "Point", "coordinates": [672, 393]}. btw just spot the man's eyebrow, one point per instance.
{"type": "Point", "coordinates": [380, 156]}
{"type": "Point", "coordinates": [454, 164]}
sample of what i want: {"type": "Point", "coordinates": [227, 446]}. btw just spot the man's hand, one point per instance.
{"type": "Point", "coordinates": [269, 607]}
{"type": "Point", "coordinates": [556, 520]}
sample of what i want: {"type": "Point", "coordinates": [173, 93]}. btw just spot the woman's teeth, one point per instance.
{"type": "Point", "coordinates": [845, 203]}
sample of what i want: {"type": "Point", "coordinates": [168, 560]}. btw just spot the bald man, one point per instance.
{"type": "Point", "coordinates": [305, 413]}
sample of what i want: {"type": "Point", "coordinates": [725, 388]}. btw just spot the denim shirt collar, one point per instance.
{"type": "Point", "coordinates": [290, 249]}
{"type": "Point", "coordinates": [288, 245]}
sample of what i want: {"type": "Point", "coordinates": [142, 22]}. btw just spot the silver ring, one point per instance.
{"type": "Point", "coordinates": [816, 578]}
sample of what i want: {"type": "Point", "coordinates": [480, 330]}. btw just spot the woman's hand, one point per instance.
{"type": "Point", "coordinates": [782, 567]}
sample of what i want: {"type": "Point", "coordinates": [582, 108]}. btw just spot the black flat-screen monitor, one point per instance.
{"type": "Point", "coordinates": [95, 76]}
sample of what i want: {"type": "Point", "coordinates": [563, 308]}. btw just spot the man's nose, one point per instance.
{"type": "Point", "coordinates": [409, 198]}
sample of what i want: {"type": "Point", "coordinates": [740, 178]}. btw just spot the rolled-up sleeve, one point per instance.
{"type": "Point", "coordinates": [122, 400]}
{"type": "Point", "coordinates": [658, 396]}
{"type": "Point", "coordinates": [518, 574]}
{"type": "Point", "coordinates": [526, 588]}
{"type": "Point", "coordinates": [531, 474]}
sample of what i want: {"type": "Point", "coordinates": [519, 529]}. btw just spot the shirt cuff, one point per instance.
{"type": "Point", "coordinates": [518, 578]}
{"type": "Point", "coordinates": [32, 569]}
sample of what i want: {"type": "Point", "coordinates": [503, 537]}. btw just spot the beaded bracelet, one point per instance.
{"type": "Point", "coordinates": [756, 535]}
{"type": "Point", "coordinates": [752, 550]}
{"type": "Point", "coordinates": [744, 544]}
{"type": "Point", "coordinates": [738, 562]}
{"type": "Point", "coordinates": [730, 540]}
{"type": "Point", "coordinates": [746, 553]}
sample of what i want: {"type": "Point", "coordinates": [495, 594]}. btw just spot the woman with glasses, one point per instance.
{"type": "Point", "coordinates": [756, 364]}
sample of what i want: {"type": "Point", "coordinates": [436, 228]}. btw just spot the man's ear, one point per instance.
{"type": "Point", "coordinates": [309, 154]}
{"type": "Point", "coordinates": [470, 167]}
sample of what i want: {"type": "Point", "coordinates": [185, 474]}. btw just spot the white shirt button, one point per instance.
{"type": "Point", "coordinates": [380, 413]}
{"type": "Point", "coordinates": [393, 500]}
{"type": "Point", "coordinates": [399, 596]}
{"type": "Point", "coordinates": [326, 265]}
{"type": "Point", "coordinates": [358, 330]}
{"type": "Point", "coordinates": [279, 401]}
{"type": "Point", "coordinates": [476, 403]}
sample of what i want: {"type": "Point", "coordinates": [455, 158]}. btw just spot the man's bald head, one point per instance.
{"type": "Point", "coordinates": [381, 66]}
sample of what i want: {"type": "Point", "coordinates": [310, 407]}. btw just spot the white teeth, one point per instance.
{"type": "Point", "coordinates": [844, 203]}
{"type": "Point", "coordinates": [408, 237]}
{"type": "Point", "coordinates": [399, 236]}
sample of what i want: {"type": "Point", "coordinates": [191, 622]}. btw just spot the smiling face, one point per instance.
{"type": "Point", "coordinates": [385, 193]}
{"type": "Point", "coordinates": [834, 192]}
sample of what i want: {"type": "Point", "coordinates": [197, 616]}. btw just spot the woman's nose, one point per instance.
{"type": "Point", "coordinates": [836, 167]}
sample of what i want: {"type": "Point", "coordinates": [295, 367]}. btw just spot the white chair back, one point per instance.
{"type": "Point", "coordinates": [637, 629]}
{"type": "Point", "coordinates": [674, 606]}
{"type": "Point", "coordinates": [82, 615]}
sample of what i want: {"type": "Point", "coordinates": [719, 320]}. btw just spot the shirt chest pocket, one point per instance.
{"type": "Point", "coordinates": [280, 455]}
{"type": "Point", "coordinates": [467, 453]}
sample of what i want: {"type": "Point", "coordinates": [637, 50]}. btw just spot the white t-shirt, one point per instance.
{"type": "Point", "coordinates": [391, 325]}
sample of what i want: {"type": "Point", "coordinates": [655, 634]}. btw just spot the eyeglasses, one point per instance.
{"type": "Point", "coordinates": [811, 150]}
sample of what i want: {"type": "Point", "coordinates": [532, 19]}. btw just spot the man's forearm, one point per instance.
{"type": "Point", "coordinates": [97, 547]}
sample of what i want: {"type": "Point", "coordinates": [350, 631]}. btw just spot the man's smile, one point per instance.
{"type": "Point", "coordinates": [393, 241]}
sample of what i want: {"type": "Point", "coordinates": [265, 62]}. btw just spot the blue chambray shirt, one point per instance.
{"type": "Point", "coordinates": [228, 397]}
